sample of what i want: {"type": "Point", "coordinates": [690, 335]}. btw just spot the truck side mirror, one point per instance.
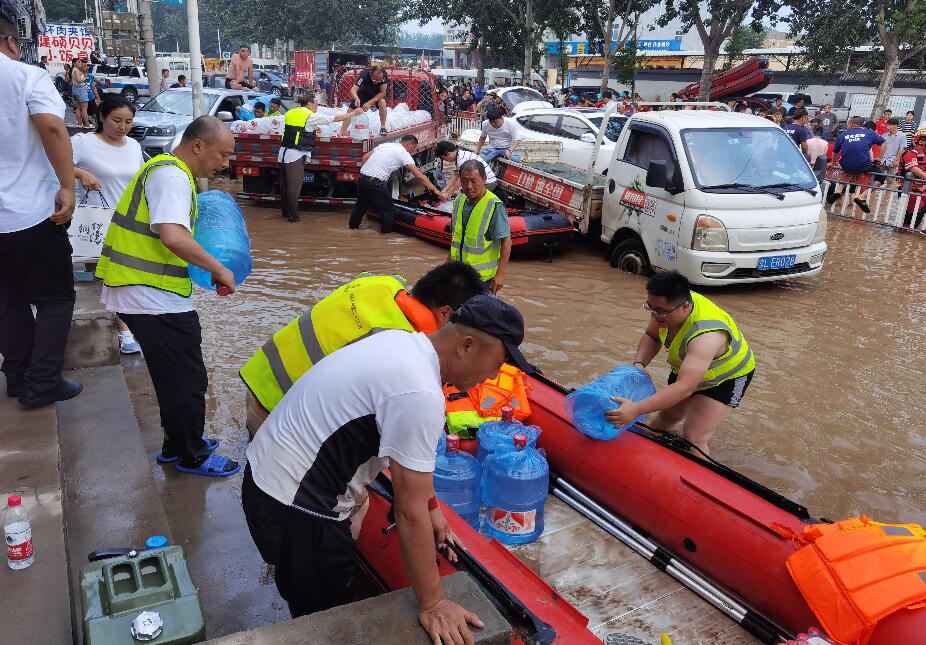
{"type": "Point", "coordinates": [657, 175]}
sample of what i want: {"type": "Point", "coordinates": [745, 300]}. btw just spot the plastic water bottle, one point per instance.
{"type": "Point", "coordinates": [456, 481]}
{"type": "Point", "coordinates": [221, 231]}
{"type": "Point", "coordinates": [497, 436]}
{"type": "Point", "coordinates": [588, 404]}
{"type": "Point", "coordinates": [18, 534]}
{"type": "Point", "coordinates": [515, 485]}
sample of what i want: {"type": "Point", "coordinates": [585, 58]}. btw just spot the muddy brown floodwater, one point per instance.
{"type": "Point", "coordinates": [835, 417]}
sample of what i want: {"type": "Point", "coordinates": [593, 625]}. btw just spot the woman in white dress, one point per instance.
{"type": "Point", "coordinates": [105, 162]}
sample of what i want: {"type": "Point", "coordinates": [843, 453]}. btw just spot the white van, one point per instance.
{"type": "Point", "coordinates": [723, 198]}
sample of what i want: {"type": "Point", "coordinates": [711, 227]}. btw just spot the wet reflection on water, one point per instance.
{"type": "Point", "coordinates": [835, 417]}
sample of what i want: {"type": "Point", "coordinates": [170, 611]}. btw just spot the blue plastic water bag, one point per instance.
{"type": "Point", "coordinates": [497, 436]}
{"type": "Point", "coordinates": [221, 231]}
{"type": "Point", "coordinates": [456, 481]}
{"type": "Point", "coordinates": [588, 404]}
{"type": "Point", "coordinates": [515, 488]}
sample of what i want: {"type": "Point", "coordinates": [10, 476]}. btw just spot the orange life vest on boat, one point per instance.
{"type": "Point", "coordinates": [855, 572]}
{"type": "Point", "coordinates": [466, 411]}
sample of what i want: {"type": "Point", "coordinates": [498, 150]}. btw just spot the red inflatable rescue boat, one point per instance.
{"type": "Point", "coordinates": [702, 514]}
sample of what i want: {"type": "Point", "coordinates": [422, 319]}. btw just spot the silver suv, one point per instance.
{"type": "Point", "coordinates": [159, 125]}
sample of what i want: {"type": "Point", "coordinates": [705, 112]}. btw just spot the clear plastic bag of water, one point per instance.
{"type": "Point", "coordinates": [498, 436]}
{"type": "Point", "coordinates": [588, 404]}
{"type": "Point", "coordinates": [221, 231]}
{"type": "Point", "coordinates": [515, 485]}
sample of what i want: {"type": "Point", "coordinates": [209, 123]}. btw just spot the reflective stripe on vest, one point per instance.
{"type": "Point", "coordinates": [132, 253]}
{"type": "Point", "coordinates": [471, 245]}
{"type": "Point", "coordinates": [352, 312]}
{"type": "Point", "coordinates": [705, 316]}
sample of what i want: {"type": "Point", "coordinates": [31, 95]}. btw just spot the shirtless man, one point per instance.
{"type": "Point", "coordinates": [240, 66]}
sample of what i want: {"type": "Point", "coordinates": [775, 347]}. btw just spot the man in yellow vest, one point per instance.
{"type": "Point", "coordinates": [296, 149]}
{"type": "Point", "coordinates": [353, 311]}
{"type": "Point", "coordinates": [712, 365]}
{"type": "Point", "coordinates": [481, 235]}
{"type": "Point", "coordinates": [143, 266]}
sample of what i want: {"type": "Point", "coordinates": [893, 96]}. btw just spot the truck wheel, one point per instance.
{"type": "Point", "coordinates": [630, 256]}
{"type": "Point", "coordinates": [130, 94]}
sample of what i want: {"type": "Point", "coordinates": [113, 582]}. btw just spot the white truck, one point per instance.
{"type": "Point", "coordinates": [723, 198]}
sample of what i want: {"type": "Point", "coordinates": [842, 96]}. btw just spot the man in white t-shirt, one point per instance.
{"type": "Point", "coordinates": [373, 404]}
{"type": "Point", "coordinates": [36, 204]}
{"type": "Point", "coordinates": [161, 317]}
{"type": "Point", "coordinates": [449, 152]}
{"type": "Point", "coordinates": [373, 192]}
{"type": "Point", "coordinates": [502, 137]}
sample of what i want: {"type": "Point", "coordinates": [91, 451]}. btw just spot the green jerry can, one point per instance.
{"type": "Point", "coordinates": [145, 596]}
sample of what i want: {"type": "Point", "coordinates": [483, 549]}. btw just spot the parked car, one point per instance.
{"type": "Point", "coordinates": [159, 124]}
{"type": "Point", "coordinates": [519, 98]}
{"type": "Point", "coordinates": [272, 83]}
{"type": "Point", "coordinates": [576, 129]}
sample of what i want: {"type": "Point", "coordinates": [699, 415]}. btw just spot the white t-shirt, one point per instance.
{"type": "Point", "coordinates": [169, 197]}
{"type": "Point", "coordinates": [501, 137]}
{"type": "Point", "coordinates": [114, 166]}
{"type": "Point", "coordinates": [337, 427]}
{"type": "Point", "coordinates": [465, 155]}
{"type": "Point", "coordinates": [28, 183]}
{"type": "Point", "coordinates": [289, 155]}
{"type": "Point", "coordinates": [385, 160]}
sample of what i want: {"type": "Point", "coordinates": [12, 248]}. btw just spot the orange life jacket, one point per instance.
{"type": "Point", "coordinates": [463, 419]}
{"type": "Point", "coordinates": [418, 315]}
{"type": "Point", "coordinates": [466, 411]}
{"type": "Point", "coordinates": [855, 572]}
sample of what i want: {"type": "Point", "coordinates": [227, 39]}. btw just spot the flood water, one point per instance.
{"type": "Point", "coordinates": [835, 417]}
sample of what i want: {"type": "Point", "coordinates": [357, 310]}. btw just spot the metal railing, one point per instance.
{"type": "Point", "coordinates": [464, 121]}
{"type": "Point", "coordinates": [892, 201]}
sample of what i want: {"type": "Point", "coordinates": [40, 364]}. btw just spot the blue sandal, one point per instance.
{"type": "Point", "coordinates": [214, 466]}
{"type": "Point", "coordinates": [211, 445]}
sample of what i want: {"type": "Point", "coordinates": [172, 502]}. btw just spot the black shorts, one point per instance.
{"type": "Point", "coordinates": [730, 392]}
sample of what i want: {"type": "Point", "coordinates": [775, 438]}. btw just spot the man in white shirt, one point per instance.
{"type": "Point", "coordinates": [373, 404]}
{"type": "Point", "coordinates": [162, 317]}
{"type": "Point", "coordinates": [36, 204]}
{"type": "Point", "coordinates": [373, 190]}
{"type": "Point", "coordinates": [502, 137]}
{"type": "Point", "coordinates": [449, 152]}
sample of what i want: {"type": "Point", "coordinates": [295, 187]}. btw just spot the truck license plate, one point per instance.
{"type": "Point", "coordinates": [776, 262]}
{"type": "Point", "coordinates": [309, 177]}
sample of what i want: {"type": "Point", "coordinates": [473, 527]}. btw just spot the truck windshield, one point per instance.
{"type": "Point", "coordinates": [178, 103]}
{"type": "Point", "coordinates": [615, 125]}
{"type": "Point", "coordinates": [513, 97]}
{"type": "Point", "coordinates": [740, 159]}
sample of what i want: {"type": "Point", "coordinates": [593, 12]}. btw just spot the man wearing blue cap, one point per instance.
{"type": "Point", "coordinates": [373, 404]}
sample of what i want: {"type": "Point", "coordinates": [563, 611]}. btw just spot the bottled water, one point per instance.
{"type": "Point", "coordinates": [589, 403]}
{"type": "Point", "coordinates": [18, 534]}
{"type": "Point", "coordinates": [497, 436]}
{"type": "Point", "coordinates": [221, 231]}
{"type": "Point", "coordinates": [515, 485]}
{"type": "Point", "coordinates": [456, 481]}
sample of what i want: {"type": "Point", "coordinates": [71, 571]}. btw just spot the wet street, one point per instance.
{"type": "Point", "coordinates": [834, 418]}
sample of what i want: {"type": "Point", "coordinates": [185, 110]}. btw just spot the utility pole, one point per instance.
{"type": "Point", "coordinates": [196, 57]}
{"type": "Point", "coordinates": [147, 36]}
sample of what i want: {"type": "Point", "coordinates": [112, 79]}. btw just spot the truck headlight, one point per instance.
{"type": "Point", "coordinates": [709, 235]}
{"type": "Point", "coordinates": [820, 234]}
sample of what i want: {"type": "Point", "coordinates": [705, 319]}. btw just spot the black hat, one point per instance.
{"type": "Point", "coordinates": [499, 319]}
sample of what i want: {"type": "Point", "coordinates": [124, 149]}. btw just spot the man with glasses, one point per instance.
{"type": "Point", "coordinates": [712, 365]}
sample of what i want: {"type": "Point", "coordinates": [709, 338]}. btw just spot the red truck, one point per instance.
{"type": "Point", "coordinates": [332, 173]}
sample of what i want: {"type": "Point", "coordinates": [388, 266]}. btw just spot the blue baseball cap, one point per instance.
{"type": "Point", "coordinates": [492, 316]}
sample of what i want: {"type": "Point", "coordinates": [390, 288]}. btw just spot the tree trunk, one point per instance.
{"type": "Point", "coordinates": [608, 40]}
{"type": "Point", "coordinates": [481, 62]}
{"type": "Point", "coordinates": [886, 84]}
{"type": "Point", "coordinates": [528, 41]}
{"type": "Point", "coordinates": [707, 74]}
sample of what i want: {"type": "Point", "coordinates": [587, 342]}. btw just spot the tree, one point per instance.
{"type": "Point", "coordinates": [896, 26]}
{"type": "Point", "coordinates": [601, 17]}
{"type": "Point", "coordinates": [715, 21]}
{"type": "Point", "coordinates": [67, 11]}
{"type": "Point", "coordinates": [626, 62]}
{"type": "Point", "coordinates": [744, 37]}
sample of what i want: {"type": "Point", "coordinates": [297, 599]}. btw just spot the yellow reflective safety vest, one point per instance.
{"type": "Point", "coordinates": [133, 253]}
{"type": "Point", "coordinates": [353, 311]}
{"type": "Point", "coordinates": [705, 316]}
{"type": "Point", "coordinates": [468, 242]}
{"type": "Point", "coordinates": [294, 134]}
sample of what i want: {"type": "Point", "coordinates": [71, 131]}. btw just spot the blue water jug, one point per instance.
{"type": "Point", "coordinates": [497, 436]}
{"type": "Point", "coordinates": [515, 486]}
{"type": "Point", "coordinates": [456, 481]}
{"type": "Point", "coordinates": [221, 231]}
{"type": "Point", "coordinates": [588, 404]}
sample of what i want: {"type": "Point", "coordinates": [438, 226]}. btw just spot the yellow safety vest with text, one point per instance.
{"type": "Point", "coordinates": [353, 311]}
{"type": "Point", "coordinates": [705, 317]}
{"type": "Point", "coordinates": [294, 129]}
{"type": "Point", "coordinates": [468, 242]}
{"type": "Point", "coordinates": [133, 253]}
